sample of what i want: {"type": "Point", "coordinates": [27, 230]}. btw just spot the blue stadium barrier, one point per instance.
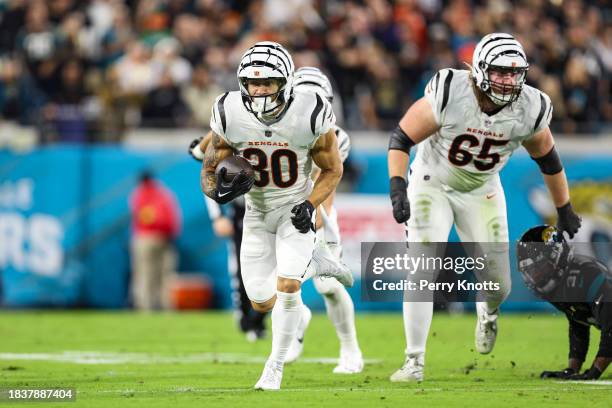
{"type": "Point", "coordinates": [64, 221]}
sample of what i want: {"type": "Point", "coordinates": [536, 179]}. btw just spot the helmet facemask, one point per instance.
{"type": "Point", "coordinates": [544, 258]}
{"type": "Point", "coordinates": [503, 93]}
{"type": "Point", "coordinates": [543, 271]}
{"type": "Point", "coordinates": [264, 106]}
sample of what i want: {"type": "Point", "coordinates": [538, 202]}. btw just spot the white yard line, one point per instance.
{"type": "Point", "coordinates": [98, 357]}
{"type": "Point", "coordinates": [414, 388]}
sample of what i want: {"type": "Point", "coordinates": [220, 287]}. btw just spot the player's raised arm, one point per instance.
{"type": "Point", "coordinates": [326, 155]}
{"type": "Point", "coordinates": [541, 148]}
{"type": "Point", "coordinates": [216, 151]}
{"type": "Point", "coordinates": [417, 124]}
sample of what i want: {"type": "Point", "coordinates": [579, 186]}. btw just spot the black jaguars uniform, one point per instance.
{"type": "Point", "coordinates": [586, 291]}
{"type": "Point", "coordinates": [248, 318]}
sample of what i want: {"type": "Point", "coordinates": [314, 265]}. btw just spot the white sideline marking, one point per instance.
{"type": "Point", "coordinates": [598, 382]}
{"type": "Point", "coordinates": [99, 357]}
{"type": "Point", "coordinates": [418, 388]}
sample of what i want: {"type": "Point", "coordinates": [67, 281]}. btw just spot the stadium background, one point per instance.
{"type": "Point", "coordinates": [93, 92]}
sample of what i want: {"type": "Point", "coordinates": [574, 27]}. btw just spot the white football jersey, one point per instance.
{"type": "Point", "coordinates": [280, 151]}
{"type": "Point", "coordinates": [344, 142]}
{"type": "Point", "coordinates": [471, 146]}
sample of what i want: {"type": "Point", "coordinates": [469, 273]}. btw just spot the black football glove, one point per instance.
{"type": "Point", "coordinates": [568, 220]}
{"type": "Point", "coordinates": [302, 219]}
{"type": "Point", "coordinates": [399, 199]}
{"type": "Point", "coordinates": [592, 373]}
{"type": "Point", "coordinates": [558, 374]}
{"type": "Point", "coordinates": [193, 144]}
{"type": "Point", "coordinates": [227, 191]}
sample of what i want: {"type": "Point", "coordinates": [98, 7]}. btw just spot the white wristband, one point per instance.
{"type": "Point", "coordinates": [197, 152]}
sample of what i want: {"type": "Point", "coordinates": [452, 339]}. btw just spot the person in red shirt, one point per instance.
{"type": "Point", "coordinates": [156, 223]}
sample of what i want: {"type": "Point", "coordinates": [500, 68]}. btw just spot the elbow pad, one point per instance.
{"type": "Point", "coordinates": [400, 141]}
{"type": "Point", "coordinates": [550, 163]}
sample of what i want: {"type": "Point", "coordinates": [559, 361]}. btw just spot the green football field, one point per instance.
{"type": "Point", "coordinates": [117, 359]}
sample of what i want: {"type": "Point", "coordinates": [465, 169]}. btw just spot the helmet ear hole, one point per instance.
{"type": "Point", "coordinates": [481, 65]}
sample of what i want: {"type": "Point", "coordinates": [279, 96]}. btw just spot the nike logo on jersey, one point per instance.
{"type": "Point", "coordinates": [490, 196]}
{"type": "Point", "coordinates": [224, 194]}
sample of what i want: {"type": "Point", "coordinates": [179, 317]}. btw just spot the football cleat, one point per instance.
{"type": "Point", "coordinates": [486, 329]}
{"type": "Point", "coordinates": [271, 377]}
{"type": "Point", "coordinates": [411, 371]}
{"type": "Point", "coordinates": [349, 363]}
{"type": "Point", "coordinates": [297, 344]}
{"type": "Point", "coordinates": [326, 264]}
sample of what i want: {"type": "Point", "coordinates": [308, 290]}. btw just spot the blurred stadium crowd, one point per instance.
{"type": "Point", "coordinates": [89, 70]}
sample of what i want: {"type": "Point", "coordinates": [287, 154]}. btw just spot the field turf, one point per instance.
{"type": "Point", "coordinates": [125, 359]}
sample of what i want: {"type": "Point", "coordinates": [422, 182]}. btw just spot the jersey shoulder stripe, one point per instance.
{"type": "Point", "coordinates": [447, 84]}
{"type": "Point", "coordinates": [437, 81]}
{"type": "Point", "coordinates": [315, 112]}
{"type": "Point", "coordinates": [537, 108]}
{"type": "Point", "coordinates": [221, 109]}
{"type": "Point", "coordinates": [543, 109]}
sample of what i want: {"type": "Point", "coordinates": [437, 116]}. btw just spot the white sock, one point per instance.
{"type": "Point", "coordinates": [285, 319]}
{"type": "Point", "coordinates": [417, 320]}
{"type": "Point", "coordinates": [341, 312]}
{"type": "Point", "coordinates": [490, 307]}
{"type": "Point", "coordinates": [330, 226]}
{"type": "Point", "coordinates": [302, 325]}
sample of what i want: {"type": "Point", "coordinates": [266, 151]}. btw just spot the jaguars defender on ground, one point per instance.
{"type": "Point", "coordinates": [469, 123]}
{"type": "Point", "coordinates": [281, 134]}
{"type": "Point", "coordinates": [338, 302]}
{"type": "Point", "coordinates": [577, 285]}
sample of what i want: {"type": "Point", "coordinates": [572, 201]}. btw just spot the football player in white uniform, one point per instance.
{"type": "Point", "coordinates": [468, 124]}
{"type": "Point", "coordinates": [338, 302]}
{"type": "Point", "coordinates": [281, 133]}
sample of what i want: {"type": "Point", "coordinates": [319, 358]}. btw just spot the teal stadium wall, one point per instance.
{"type": "Point", "coordinates": [64, 222]}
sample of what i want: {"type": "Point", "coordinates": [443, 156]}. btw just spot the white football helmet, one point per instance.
{"type": "Point", "coordinates": [500, 52]}
{"type": "Point", "coordinates": [266, 59]}
{"type": "Point", "coordinates": [311, 78]}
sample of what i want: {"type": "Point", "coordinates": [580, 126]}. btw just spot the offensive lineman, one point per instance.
{"type": "Point", "coordinates": [470, 122]}
{"type": "Point", "coordinates": [338, 302]}
{"type": "Point", "coordinates": [281, 133]}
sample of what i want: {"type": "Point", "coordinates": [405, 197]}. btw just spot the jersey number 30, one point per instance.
{"type": "Point", "coordinates": [279, 179]}
{"type": "Point", "coordinates": [460, 157]}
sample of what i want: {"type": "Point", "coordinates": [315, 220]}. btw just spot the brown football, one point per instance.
{"type": "Point", "coordinates": [233, 166]}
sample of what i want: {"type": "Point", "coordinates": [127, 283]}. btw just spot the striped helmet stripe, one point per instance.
{"type": "Point", "coordinates": [261, 53]}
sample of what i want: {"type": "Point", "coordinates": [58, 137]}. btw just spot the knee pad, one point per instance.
{"type": "Point", "coordinates": [497, 230]}
{"type": "Point", "coordinates": [260, 290]}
